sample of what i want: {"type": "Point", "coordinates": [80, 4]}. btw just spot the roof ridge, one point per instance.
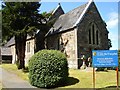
{"type": "Point", "coordinates": [76, 8]}
{"type": "Point", "coordinates": [59, 5]}
{"type": "Point", "coordinates": [84, 11]}
{"type": "Point", "coordinates": [73, 10]}
{"type": "Point", "coordinates": [70, 19]}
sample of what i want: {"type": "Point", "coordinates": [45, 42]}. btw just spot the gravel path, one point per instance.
{"type": "Point", "coordinates": [10, 80]}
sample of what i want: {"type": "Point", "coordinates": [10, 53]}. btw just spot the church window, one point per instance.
{"type": "Point", "coordinates": [97, 41]}
{"type": "Point", "coordinates": [93, 34]}
{"type": "Point", "coordinates": [89, 36]}
{"type": "Point", "coordinates": [28, 46]}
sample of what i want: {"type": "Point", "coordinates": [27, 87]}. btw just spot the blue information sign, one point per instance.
{"type": "Point", "coordinates": [105, 58]}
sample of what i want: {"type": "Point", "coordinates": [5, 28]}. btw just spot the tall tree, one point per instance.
{"type": "Point", "coordinates": [109, 43]}
{"type": "Point", "coordinates": [19, 19]}
{"type": "Point", "coordinates": [40, 36]}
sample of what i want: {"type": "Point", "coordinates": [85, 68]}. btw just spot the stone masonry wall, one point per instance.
{"type": "Point", "coordinates": [14, 57]}
{"type": "Point", "coordinates": [28, 55]}
{"type": "Point", "coordinates": [92, 16]}
{"type": "Point", "coordinates": [64, 42]}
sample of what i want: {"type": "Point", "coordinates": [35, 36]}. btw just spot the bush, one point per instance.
{"type": "Point", "coordinates": [48, 68]}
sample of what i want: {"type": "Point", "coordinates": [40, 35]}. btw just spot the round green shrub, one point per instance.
{"type": "Point", "coordinates": [48, 68]}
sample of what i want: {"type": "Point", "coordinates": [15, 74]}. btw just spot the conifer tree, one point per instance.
{"type": "Point", "coordinates": [20, 19]}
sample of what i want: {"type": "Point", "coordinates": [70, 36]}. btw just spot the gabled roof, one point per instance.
{"type": "Point", "coordinates": [55, 14]}
{"type": "Point", "coordinates": [70, 19]}
{"type": "Point", "coordinates": [12, 41]}
{"type": "Point", "coordinates": [58, 11]}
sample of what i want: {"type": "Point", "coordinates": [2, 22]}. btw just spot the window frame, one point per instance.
{"type": "Point", "coordinates": [28, 47]}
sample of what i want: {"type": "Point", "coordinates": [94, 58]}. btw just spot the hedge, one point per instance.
{"type": "Point", "coordinates": [48, 68]}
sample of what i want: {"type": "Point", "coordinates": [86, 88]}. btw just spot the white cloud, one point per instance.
{"type": "Point", "coordinates": [114, 39]}
{"type": "Point", "coordinates": [113, 20]}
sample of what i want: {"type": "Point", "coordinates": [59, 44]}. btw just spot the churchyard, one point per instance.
{"type": "Point", "coordinates": [77, 78]}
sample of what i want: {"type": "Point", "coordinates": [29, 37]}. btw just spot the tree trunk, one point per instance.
{"type": "Point", "coordinates": [20, 43]}
{"type": "Point", "coordinates": [39, 41]}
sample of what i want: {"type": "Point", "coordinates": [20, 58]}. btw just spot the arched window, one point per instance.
{"type": "Point", "coordinates": [28, 46]}
{"type": "Point", "coordinates": [97, 41]}
{"type": "Point", "coordinates": [90, 36]}
{"type": "Point", "coordinates": [93, 34]}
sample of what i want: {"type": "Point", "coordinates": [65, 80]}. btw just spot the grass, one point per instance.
{"type": "Point", "coordinates": [0, 85]}
{"type": "Point", "coordinates": [77, 78]}
{"type": "Point", "coordinates": [103, 79]}
{"type": "Point", "coordinates": [0, 82]}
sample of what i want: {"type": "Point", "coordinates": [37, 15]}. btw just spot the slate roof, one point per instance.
{"type": "Point", "coordinates": [6, 51]}
{"type": "Point", "coordinates": [58, 11]}
{"type": "Point", "coordinates": [12, 40]}
{"type": "Point", "coordinates": [67, 21]}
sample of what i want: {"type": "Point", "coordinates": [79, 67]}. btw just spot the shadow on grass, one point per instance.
{"type": "Point", "coordinates": [25, 70]}
{"type": "Point", "coordinates": [70, 81]}
{"type": "Point", "coordinates": [109, 88]}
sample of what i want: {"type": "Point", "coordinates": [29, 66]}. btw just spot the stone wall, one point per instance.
{"type": "Point", "coordinates": [27, 54]}
{"type": "Point", "coordinates": [14, 56]}
{"type": "Point", "coordinates": [52, 42]}
{"type": "Point", "coordinates": [64, 42]}
{"type": "Point", "coordinates": [75, 44]}
{"type": "Point", "coordinates": [92, 16]}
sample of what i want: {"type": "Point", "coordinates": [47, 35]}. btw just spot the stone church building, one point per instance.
{"type": "Point", "coordinates": [78, 32]}
{"type": "Point", "coordinates": [75, 33]}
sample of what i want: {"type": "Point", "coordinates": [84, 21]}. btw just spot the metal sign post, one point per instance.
{"type": "Point", "coordinates": [93, 77]}
{"type": "Point", "coordinates": [117, 77]}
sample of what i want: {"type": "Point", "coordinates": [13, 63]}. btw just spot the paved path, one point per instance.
{"type": "Point", "coordinates": [10, 80]}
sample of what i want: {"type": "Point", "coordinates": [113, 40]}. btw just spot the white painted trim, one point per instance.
{"type": "Point", "coordinates": [52, 14]}
{"type": "Point", "coordinates": [84, 11]}
{"type": "Point", "coordinates": [56, 9]}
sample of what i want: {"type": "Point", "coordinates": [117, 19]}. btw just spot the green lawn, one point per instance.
{"type": "Point", "coordinates": [0, 85]}
{"type": "Point", "coordinates": [0, 82]}
{"type": "Point", "coordinates": [103, 79]}
{"type": "Point", "coordinates": [77, 78]}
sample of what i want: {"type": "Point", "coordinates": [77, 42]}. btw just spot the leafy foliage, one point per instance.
{"type": "Point", "coordinates": [20, 19]}
{"type": "Point", "coordinates": [109, 43]}
{"type": "Point", "coordinates": [48, 68]}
